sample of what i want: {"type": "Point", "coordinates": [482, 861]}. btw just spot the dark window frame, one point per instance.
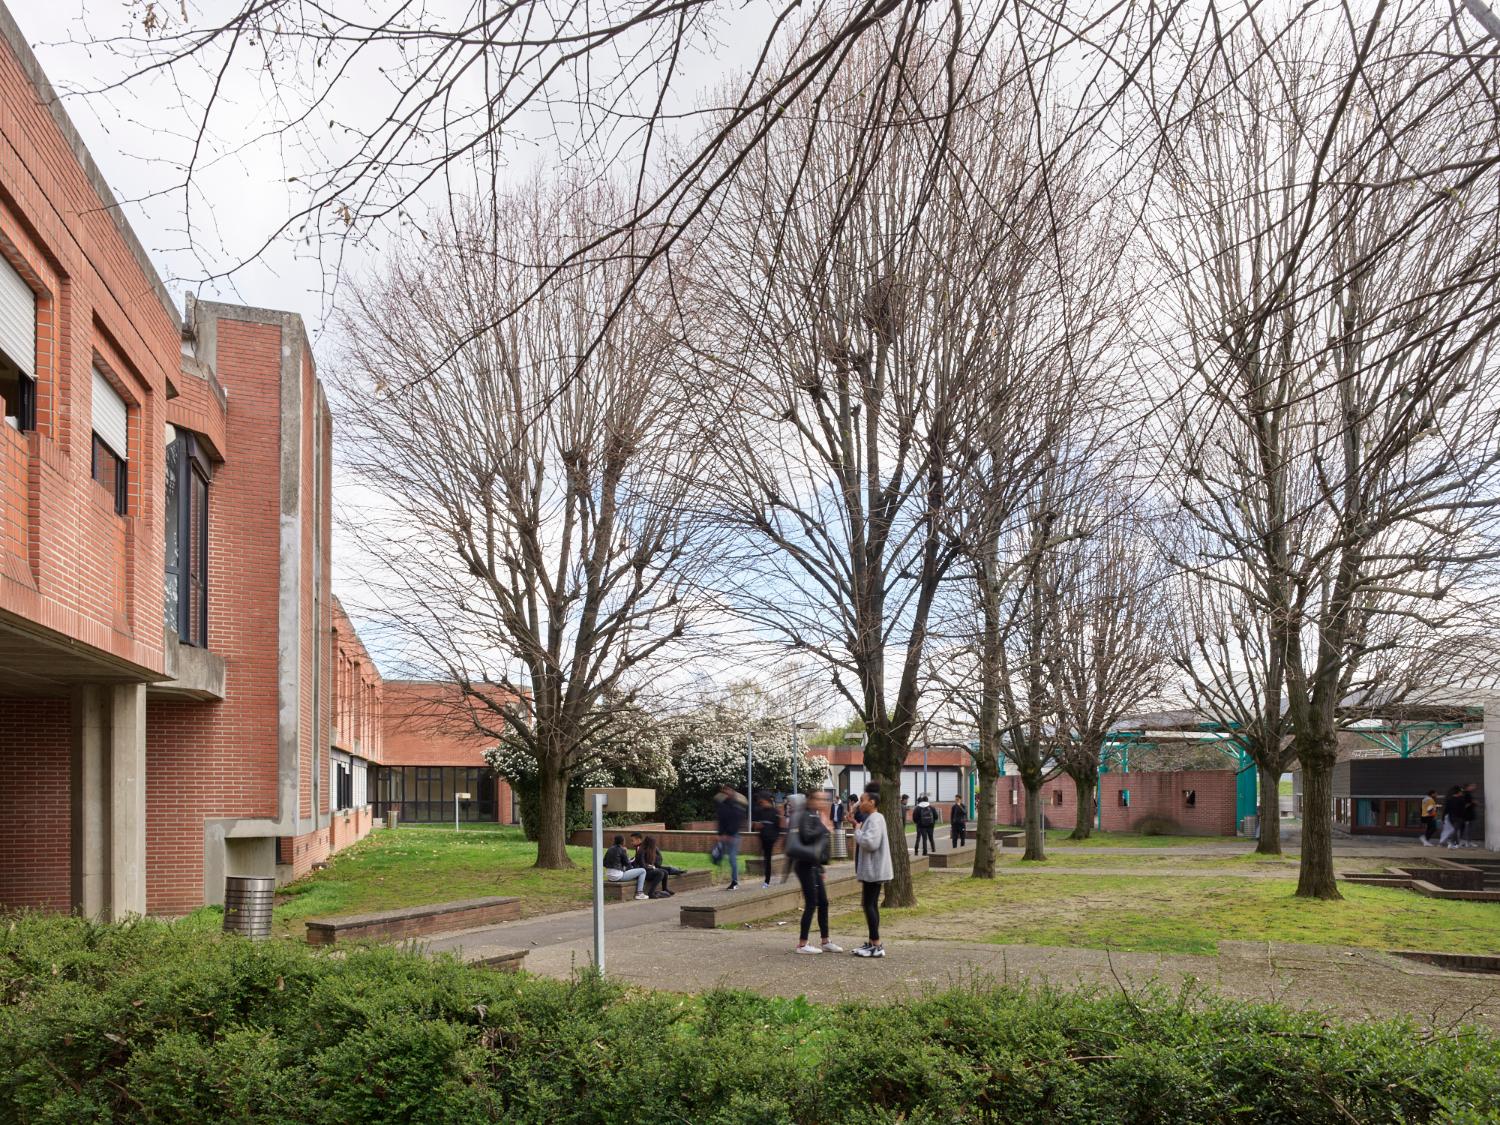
{"type": "Point", "coordinates": [190, 573]}
{"type": "Point", "coordinates": [25, 400]}
{"type": "Point", "coordinates": [102, 454]}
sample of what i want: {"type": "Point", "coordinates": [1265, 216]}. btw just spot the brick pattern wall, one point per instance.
{"type": "Point", "coordinates": [220, 759]}
{"type": "Point", "coordinates": [96, 305]}
{"type": "Point", "coordinates": [1152, 794]}
{"type": "Point", "coordinates": [35, 855]}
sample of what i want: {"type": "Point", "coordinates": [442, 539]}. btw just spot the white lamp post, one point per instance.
{"type": "Point", "coordinates": [618, 800]}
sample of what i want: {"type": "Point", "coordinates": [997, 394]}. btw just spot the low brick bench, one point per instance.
{"type": "Point", "coordinates": [752, 903]}
{"type": "Point", "coordinates": [958, 857]}
{"type": "Point", "coordinates": [496, 958]}
{"type": "Point", "coordinates": [413, 921]}
{"type": "Point", "coordinates": [696, 878]}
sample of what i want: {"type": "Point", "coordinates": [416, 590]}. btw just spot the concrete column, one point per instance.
{"type": "Point", "coordinates": [1491, 793]}
{"type": "Point", "coordinates": [127, 796]}
{"type": "Point", "coordinates": [89, 795]}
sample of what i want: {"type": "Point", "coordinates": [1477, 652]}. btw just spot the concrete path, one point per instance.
{"type": "Point", "coordinates": [645, 946]}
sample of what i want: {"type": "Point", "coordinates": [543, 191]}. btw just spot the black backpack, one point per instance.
{"type": "Point", "coordinates": [924, 817]}
{"type": "Point", "coordinates": [809, 840]}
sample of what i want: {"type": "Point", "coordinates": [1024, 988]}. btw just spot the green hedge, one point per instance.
{"type": "Point", "coordinates": [158, 1022]}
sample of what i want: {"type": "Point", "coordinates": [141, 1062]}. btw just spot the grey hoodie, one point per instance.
{"type": "Point", "coordinates": [872, 851]}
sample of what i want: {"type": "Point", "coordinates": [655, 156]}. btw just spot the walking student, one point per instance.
{"type": "Point", "coordinates": [729, 815]}
{"type": "Point", "coordinates": [958, 823]}
{"type": "Point", "coordinates": [1429, 817]}
{"type": "Point", "coordinates": [872, 866]}
{"type": "Point", "coordinates": [924, 816]}
{"type": "Point", "coordinates": [1453, 817]}
{"type": "Point", "coordinates": [807, 846]}
{"type": "Point", "coordinates": [768, 828]}
{"type": "Point", "coordinates": [1467, 816]}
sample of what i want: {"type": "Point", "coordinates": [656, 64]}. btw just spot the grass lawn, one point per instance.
{"type": "Point", "coordinates": [412, 866]}
{"type": "Point", "coordinates": [1187, 916]}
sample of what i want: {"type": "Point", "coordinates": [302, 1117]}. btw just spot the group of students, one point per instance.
{"type": "Point", "coordinates": [646, 866]}
{"type": "Point", "coordinates": [1458, 810]}
{"type": "Point", "coordinates": [926, 818]}
{"type": "Point", "coordinates": [809, 836]}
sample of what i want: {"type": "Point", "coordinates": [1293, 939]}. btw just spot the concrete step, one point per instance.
{"type": "Point", "coordinates": [752, 903]}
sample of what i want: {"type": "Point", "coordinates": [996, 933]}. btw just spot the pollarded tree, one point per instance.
{"type": "Point", "coordinates": [1327, 230]}
{"type": "Point", "coordinates": [538, 529]}
{"type": "Point", "coordinates": [1108, 649]}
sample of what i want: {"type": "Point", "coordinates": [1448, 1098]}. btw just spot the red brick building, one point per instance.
{"type": "Point", "coordinates": [1194, 802]}
{"type": "Point", "coordinates": [432, 752]}
{"type": "Point", "coordinates": [181, 698]}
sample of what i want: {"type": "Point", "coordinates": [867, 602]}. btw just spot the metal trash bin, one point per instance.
{"type": "Point", "coordinates": [1250, 826]}
{"type": "Point", "coordinates": [247, 905]}
{"type": "Point", "coordinates": [392, 816]}
{"type": "Point", "coordinates": [840, 849]}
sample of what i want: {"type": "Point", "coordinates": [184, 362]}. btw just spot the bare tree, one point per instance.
{"type": "Point", "coordinates": [1107, 650]}
{"type": "Point", "coordinates": [854, 342]}
{"type": "Point", "coordinates": [540, 532]}
{"type": "Point", "coordinates": [1338, 307]}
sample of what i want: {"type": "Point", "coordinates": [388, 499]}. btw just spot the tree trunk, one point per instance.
{"type": "Point", "coordinates": [1083, 827]}
{"type": "Point", "coordinates": [984, 838]}
{"type": "Point", "coordinates": [1036, 839]}
{"type": "Point", "coordinates": [898, 892]}
{"type": "Point", "coordinates": [1269, 842]}
{"type": "Point", "coordinates": [1315, 874]}
{"type": "Point", "coordinates": [552, 820]}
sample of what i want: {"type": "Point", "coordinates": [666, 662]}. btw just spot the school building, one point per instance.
{"type": "Point", "coordinates": [181, 696]}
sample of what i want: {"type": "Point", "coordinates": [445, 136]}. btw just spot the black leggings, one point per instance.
{"type": "Point", "coordinates": [814, 896]}
{"type": "Point", "coordinates": [767, 850]}
{"type": "Point", "coordinates": [869, 897]}
{"type": "Point", "coordinates": [924, 840]}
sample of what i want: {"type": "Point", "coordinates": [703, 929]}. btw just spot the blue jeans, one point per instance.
{"type": "Point", "coordinates": [731, 852]}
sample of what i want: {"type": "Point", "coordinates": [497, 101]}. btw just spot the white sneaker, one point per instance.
{"type": "Point", "coordinates": [807, 949]}
{"type": "Point", "coordinates": [639, 898]}
{"type": "Point", "coordinates": [829, 947]}
{"type": "Point", "coordinates": [1425, 842]}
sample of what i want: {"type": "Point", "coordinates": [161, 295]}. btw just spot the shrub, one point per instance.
{"type": "Point", "coordinates": [152, 1021]}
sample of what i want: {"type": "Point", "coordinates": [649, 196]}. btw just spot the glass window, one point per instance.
{"type": "Point", "coordinates": [109, 470]}
{"type": "Point", "coordinates": [1364, 813]}
{"type": "Point", "coordinates": [187, 478]}
{"type": "Point", "coordinates": [17, 395]}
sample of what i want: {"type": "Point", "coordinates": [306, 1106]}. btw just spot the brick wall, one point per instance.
{"type": "Point", "coordinates": [1152, 794]}
{"type": "Point", "coordinates": [93, 576]}
{"type": "Point", "coordinates": [35, 856]}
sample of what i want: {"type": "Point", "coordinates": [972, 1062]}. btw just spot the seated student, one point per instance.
{"type": "Point", "coordinates": [648, 856]}
{"type": "Point", "coordinates": [618, 868]}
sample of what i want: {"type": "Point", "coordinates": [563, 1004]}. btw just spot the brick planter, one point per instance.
{"type": "Point", "coordinates": [390, 925]}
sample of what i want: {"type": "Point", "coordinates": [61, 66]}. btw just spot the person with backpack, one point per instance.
{"type": "Point", "coordinates": [925, 817]}
{"type": "Point", "coordinates": [1453, 818]}
{"type": "Point", "coordinates": [958, 823]}
{"type": "Point", "coordinates": [808, 845]}
{"type": "Point", "coordinates": [872, 866]}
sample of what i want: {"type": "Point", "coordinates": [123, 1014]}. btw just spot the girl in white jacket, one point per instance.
{"type": "Point", "coordinates": [872, 866]}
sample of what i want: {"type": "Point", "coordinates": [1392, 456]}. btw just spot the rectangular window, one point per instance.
{"type": "Point", "coordinates": [17, 349]}
{"type": "Point", "coordinates": [109, 470]}
{"type": "Point", "coordinates": [187, 477]}
{"type": "Point", "coordinates": [1057, 796]}
{"type": "Point", "coordinates": [111, 418]}
{"type": "Point", "coordinates": [1124, 798]}
{"type": "Point", "coordinates": [1190, 797]}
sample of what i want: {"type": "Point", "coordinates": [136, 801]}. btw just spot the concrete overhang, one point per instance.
{"type": "Point", "coordinates": [195, 673]}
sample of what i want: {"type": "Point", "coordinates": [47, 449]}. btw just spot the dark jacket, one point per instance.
{"type": "Point", "coordinates": [1470, 808]}
{"type": "Point", "coordinates": [729, 815]}
{"type": "Point", "coordinates": [617, 859]}
{"type": "Point", "coordinates": [1453, 807]}
{"type": "Point", "coordinates": [924, 816]}
{"type": "Point", "coordinates": [811, 833]}
{"type": "Point", "coordinates": [958, 814]}
{"type": "Point", "coordinates": [768, 824]}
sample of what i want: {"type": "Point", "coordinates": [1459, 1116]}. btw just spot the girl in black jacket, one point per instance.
{"type": "Point", "coordinates": [768, 827]}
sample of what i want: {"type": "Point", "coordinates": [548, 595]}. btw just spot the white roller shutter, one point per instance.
{"type": "Point", "coordinates": [17, 319]}
{"type": "Point", "coordinates": [110, 416]}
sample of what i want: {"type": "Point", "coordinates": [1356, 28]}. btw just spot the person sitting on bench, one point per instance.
{"type": "Point", "coordinates": [649, 857]}
{"type": "Point", "coordinates": [618, 868]}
